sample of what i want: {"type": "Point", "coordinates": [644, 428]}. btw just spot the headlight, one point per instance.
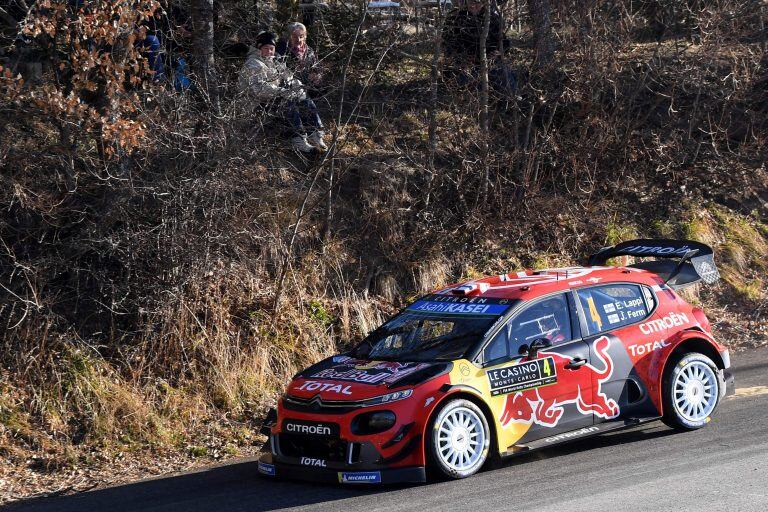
{"type": "Point", "coordinates": [389, 397]}
{"type": "Point", "coordinates": [373, 422]}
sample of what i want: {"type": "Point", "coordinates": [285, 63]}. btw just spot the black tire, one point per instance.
{"type": "Point", "coordinates": [690, 406]}
{"type": "Point", "coordinates": [436, 440]}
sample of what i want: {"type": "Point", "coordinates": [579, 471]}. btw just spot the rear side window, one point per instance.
{"type": "Point", "coordinates": [612, 306]}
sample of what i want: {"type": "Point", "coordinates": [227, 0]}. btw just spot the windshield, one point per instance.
{"type": "Point", "coordinates": [430, 330]}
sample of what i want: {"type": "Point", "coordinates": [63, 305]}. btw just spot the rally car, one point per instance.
{"type": "Point", "coordinates": [503, 365]}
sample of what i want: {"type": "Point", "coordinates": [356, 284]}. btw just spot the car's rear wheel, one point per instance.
{"type": "Point", "coordinates": [458, 439]}
{"type": "Point", "coordinates": [691, 392]}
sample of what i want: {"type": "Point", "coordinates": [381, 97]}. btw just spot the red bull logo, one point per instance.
{"type": "Point", "coordinates": [544, 405]}
{"type": "Point", "coordinates": [368, 372]}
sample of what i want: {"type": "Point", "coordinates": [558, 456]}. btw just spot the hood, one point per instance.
{"type": "Point", "coordinates": [348, 378]}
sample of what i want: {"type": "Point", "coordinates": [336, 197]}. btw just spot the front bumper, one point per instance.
{"type": "Point", "coordinates": [267, 466]}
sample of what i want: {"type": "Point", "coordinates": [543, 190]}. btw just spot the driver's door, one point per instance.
{"type": "Point", "coordinates": [542, 392]}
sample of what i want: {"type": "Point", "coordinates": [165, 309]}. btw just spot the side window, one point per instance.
{"type": "Point", "coordinates": [612, 306]}
{"type": "Point", "coordinates": [548, 318]}
{"type": "Point", "coordinates": [650, 298]}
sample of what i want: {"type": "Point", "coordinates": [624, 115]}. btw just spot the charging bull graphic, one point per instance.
{"type": "Point", "coordinates": [544, 405]}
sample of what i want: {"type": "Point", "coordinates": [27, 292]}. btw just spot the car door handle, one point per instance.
{"type": "Point", "coordinates": [576, 362]}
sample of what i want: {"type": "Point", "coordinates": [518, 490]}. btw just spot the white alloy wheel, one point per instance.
{"type": "Point", "coordinates": [692, 392]}
{"type": "Point", "coordinates": [460, 439]}
{"type": "Point", "coordinates": [695, 390]}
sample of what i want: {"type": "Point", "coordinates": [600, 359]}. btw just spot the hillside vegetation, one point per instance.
{"type": "Point", "coordinates": [167, 262]}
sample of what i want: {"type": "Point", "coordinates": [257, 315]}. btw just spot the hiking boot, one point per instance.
{"type": "Point", "coordinates": [300, 143]}
{"type": "Point", "coordinates": [316, 139]}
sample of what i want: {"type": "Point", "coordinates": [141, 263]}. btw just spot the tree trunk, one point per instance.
{"type": "Point", "coordinates": [484, 124]}
{"type": "Point", "coordinates": [484, 113]}
{"type": "Point", "coordinates": [434, 97]}
{"type": "Point", "coordinates": [542, 32]}
{"type": "Point", "coordinates": [202, 18]}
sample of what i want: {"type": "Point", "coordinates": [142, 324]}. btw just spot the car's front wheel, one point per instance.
{"type": "Point", "coordinates": [458, 439]}
{"type": "Point", "coordinates": [691, 392]}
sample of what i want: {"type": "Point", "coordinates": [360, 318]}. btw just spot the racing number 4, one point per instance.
{"type": "Point", "coordinates": [594, 314]}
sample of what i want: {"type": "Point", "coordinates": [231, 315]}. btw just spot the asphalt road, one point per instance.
{"type": "Point", "coordinates": [650, 468]}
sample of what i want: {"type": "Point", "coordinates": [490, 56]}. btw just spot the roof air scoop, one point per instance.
{"type": "Point", "coordinates": [471, 289]}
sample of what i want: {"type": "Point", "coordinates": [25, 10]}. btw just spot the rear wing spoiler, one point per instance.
{"type": "Point", "coordinates": [696, 261]}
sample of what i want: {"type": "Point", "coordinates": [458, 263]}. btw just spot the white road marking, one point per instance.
{"type": "Point", "coordinates": [753, 391]}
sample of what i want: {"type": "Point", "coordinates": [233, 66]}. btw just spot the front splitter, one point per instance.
{"type": "Point", "coordinates": [270, 468]}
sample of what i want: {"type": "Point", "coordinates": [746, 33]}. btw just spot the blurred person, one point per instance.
{"type": "Point", "coordinates": [463, 28]}
{"type": "Point", "coordinates": [300, 58]}
{"type": "Point", "coordinates": [270, 82]}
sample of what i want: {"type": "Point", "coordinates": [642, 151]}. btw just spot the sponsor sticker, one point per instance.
{"type": "Point", "coordinates": [266, 469]}
{"type": "Point", "coordinates": [361, 477]}
{"type": "Point", "coordinates": [311, 385]}
{"type": "Point", "coordinates": [528, 375]}
{"type": "Point", "coordinates": [567, 435]}
{"type": "Point", "coordinates": [309, 461]}
{"type": "Point", "coordinates": [367, 372]}
{"type": "Point", "coordinates": [459, 309]}
{"type": "Point", "coordinates": [311, 428]}
{"type": "Point", "coordinates": [645, 348]}
{"type": "Point", "coordinates": [658, 250]}
{"type": "Point", "coordinates": [661, 324]}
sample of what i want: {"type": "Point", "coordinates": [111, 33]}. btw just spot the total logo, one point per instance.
{"type": "Point", "coordinates": [662, 324]}
{"type": "Point", "coordinates": [645, 348]}
{"type": "Point", "coordinates": [309, 461]}
{"type": "Point", "coordinates": [312, 385]}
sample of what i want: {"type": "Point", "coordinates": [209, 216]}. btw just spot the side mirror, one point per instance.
{"type": "Point", "coordinates": [536, 345]}
{"type": "Point", "coordinates": [362, 350]}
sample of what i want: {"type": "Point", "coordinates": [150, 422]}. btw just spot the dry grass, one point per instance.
{"type": "Point", "coordinates": [142, 317]}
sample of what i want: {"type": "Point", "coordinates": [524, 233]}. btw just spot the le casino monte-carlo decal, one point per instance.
{"type": "Point", "coordinates": [523, 376]}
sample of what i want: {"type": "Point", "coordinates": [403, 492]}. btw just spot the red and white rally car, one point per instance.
{"type": "Point", "coordinates": [507, 364]}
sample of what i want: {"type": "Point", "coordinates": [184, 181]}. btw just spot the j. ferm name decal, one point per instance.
{"type": "Point", "coordinates": [661, 324]}
{"type": "Point", "coordinates": [528, 375]}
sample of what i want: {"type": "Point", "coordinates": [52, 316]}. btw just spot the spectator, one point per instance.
{"type": "Point", "coordinates": [181, 80]}
{"type": "Point", "coordinates": [463, 28]}
{"type": "Point", "coordinates": [151, 50]}
{"type": "Point", "coordinates": [150, 31]}
{"type": "Point", "coordinates": [300, 58]}
{"type": "Point", "coordinates": [269, 81]}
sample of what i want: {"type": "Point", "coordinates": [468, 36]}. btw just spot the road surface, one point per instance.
{"type": "Point", "coordinates": [723, 467]}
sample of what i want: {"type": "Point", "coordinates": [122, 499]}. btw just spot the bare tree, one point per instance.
{"type": "Point", "coordinates": [434, 93]}
{"type": "Point", "coordinates": [542, 32]}
{"type": "Point", "coordinates": [202, 18]}
{"type": "Point", "coordinates": [484, 113]}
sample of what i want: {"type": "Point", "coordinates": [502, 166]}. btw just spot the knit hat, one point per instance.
{"type": "Point", "coordinates": [266, 38]}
